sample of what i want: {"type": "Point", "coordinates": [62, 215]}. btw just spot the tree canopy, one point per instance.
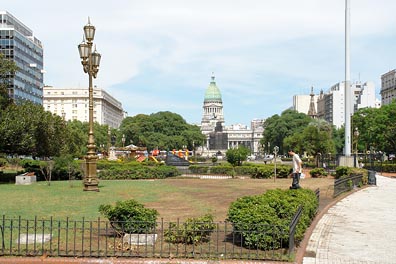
{"type": "Point", "coordinates": [162, 130]}
{"type": "Point", "coordinates": [277, 128]}
{"type": "Point", "coordinates": [377, 128]}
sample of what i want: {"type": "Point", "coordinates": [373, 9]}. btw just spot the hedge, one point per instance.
{"type": "Point", "coordinates": [268, 171]}
{"type": "Point", "coordinates": [318, 172]}
{"type": "Point", "coordinates": [263, 220]}
{"type": "Point", "coordinates": [257, 171]}
{"type": "Point", "coordinates": [138, 172]}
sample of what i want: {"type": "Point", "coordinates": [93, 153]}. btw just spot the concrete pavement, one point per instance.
{"type": "Point", "coordinates": [360, 228]}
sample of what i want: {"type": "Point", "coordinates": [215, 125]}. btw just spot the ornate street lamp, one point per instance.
{"type": "Point", "coordinates": [356, 135]}
{"type": "Point", "coordinates": [123, 140]}
{"type": "Point", "coordinates": [276, 150]}
{"type": "Point", "coordinates": [90, 61]}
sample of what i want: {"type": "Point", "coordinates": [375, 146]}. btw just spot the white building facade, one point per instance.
{"type": "Point", "coordinates": [73, 104]}
{"type": "Point", "coordinates": [331, 105]}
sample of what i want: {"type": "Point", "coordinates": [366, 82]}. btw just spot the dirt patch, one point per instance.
{"type": "Point", "coordinates": [195, 197]}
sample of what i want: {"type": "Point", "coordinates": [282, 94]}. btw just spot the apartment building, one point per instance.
{"type": "Point", "coordinates": [73, 104]}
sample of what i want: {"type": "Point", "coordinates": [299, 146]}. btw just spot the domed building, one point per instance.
{"type": "Point", "coordinates": [212, 108]}
{"type": "Point", "coordinates": [220, 138]}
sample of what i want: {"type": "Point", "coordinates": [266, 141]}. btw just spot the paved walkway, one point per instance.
{"type": "Point", "coordinates": [361, 228]}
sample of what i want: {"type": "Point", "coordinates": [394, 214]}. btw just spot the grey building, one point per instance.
{"type": "Point", "coordinates": [388, 87]}
{"type": "Point", "coordinates": [18, 43]}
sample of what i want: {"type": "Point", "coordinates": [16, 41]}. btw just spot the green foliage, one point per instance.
{"type": "Point", "coordinates": [32, 166]}
{"type": "Point", "coordinates": [268, 171]}
{"type": "Point", "coordinates": [132, 171]}
{"type": "Point", "coordinates": [388, 167]}
{"type": "Point", "coordinates": [246, 169]}
{"type": "Point", "coordinates": [3, 162]}
{"type": "Point", "coordinates": [163, 130]}
{"type": "Point", "coordinates": [277, 128]}
{"type": "Point", "coordinates": [342, 171]}
{"type": "Point", "coordinates": [258, 171]}
{"type": "Point", "coordinates": [376, 127]}
{"type": "Point", "coordinates": [314, 139]}
{"type": "Point", "coordinates": [130, 217]}
{"type": "Point", "coordinates": [263, 220]}
{"type": "Point", "coordinates": [318, 172]}
{"type": "Point", "coordinates": [236, 156]}
{"type": "Point", "coordinates": [66, 168]}
{"type": "Point", "coordinates": [214, 159]}
{"type": "Point", "coordinates": [199, 169]}
{"type": "Point", "coordinates": [27, 129]}
{"type": "Point", "coordinates": [222, 169]}
{"type": "Point", "coordinates": [192, 231]}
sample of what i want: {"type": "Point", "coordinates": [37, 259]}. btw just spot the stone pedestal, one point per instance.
{"type": "Point", "coordinates": [347, 161]}
{"type": "Point", "coordinates": [24, 179]}
{"type": "Point", "coordinates": [139, 239]}
{"type": "Point", "coordinates": [112, 154]}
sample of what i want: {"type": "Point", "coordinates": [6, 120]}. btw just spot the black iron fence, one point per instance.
{"type": "Point", "coordinates": [347, 183]}
{"type": "Point", "coordinates": [71, 238]}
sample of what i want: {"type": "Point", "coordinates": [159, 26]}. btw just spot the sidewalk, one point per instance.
{"type": "Point", "coordinates": [358, 229]}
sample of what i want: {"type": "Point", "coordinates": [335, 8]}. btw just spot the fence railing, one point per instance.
{"type": "Point", "coordinates": [82, 238]}
{"type": "Point", "coordinates": [347, 184]}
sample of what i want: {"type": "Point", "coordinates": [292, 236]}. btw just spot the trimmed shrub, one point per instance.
{"type": "Point", "coordinates": [198, 169]}
{"type": "Point", "coordinates": [193, 231]}
{"type": "Point", "coordinates": [388, 167]}
{"type": "Point", "coordinates": [137, 171]}
{"type": "Point", "coordinates": [222, 169]}
{"type": "Point", "coordinates": [130, 217]}
{"type": "Point", "coordinates": [263, 220]}
{"type": "Point", "coordinates": [318, 172]}
{"type": "Point", "coordinates": [343, 171]}
{"type": "Point", "coordinates": [268, 171]}
{"type": "Point", "coordinates": [246, 169]}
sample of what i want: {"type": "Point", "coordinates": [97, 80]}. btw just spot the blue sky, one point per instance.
{"type": "Point", "coordinates": [159, 55]}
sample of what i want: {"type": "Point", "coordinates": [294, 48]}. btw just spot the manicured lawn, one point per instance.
{"type": "Point", "coordinates": [173, 198]}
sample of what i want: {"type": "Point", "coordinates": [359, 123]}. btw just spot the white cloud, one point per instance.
{"type": "Point", "coordinates": [253, 46]}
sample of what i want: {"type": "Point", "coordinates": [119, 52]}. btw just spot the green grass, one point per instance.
{"type": "Point", "coordinates": [61, 200]}
{"type": "Point", "coordinates": [173, 198]}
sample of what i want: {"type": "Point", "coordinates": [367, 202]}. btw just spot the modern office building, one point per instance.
{"type": "Point", "coordinates": [388, 87]}
{"type": "Point", "coordinates": [18, 43]}
{"type": "Point", "coordinates": [220, 137]}
{"type": "Point", "coordinates": [73, 104]}
{"type": "Point", "coordinates": [331, 107]}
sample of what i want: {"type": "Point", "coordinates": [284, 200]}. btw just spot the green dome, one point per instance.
{"type": "Point", "coordinates": [213, 92]}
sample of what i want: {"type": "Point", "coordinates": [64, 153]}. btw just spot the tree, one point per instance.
{"type": "Point", "coordinates": [315, 140]}
{"type": "Point", "coordinates": [377, 128]}
{"type": "Point", "coordinates": [27, 129]}
{"type": "Point", "coordinates": [7, 70]}
{"type": "Point", "coordinates": [46, 168]}
{"type": "Point", "coordinates": [236, 156]}
{"type": "Point", "coordinates": [163, 130]}
{"type": "Point", "coordinates": [277, 128]}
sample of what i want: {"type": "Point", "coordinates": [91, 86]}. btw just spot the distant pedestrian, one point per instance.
{"type": "Point", "coordinates": [297, 168]}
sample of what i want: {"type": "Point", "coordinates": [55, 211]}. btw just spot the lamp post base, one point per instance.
{"type": "Point", "coordinates": [91, 186]}
{"type": "Point", "coordinates": [91, 181]}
